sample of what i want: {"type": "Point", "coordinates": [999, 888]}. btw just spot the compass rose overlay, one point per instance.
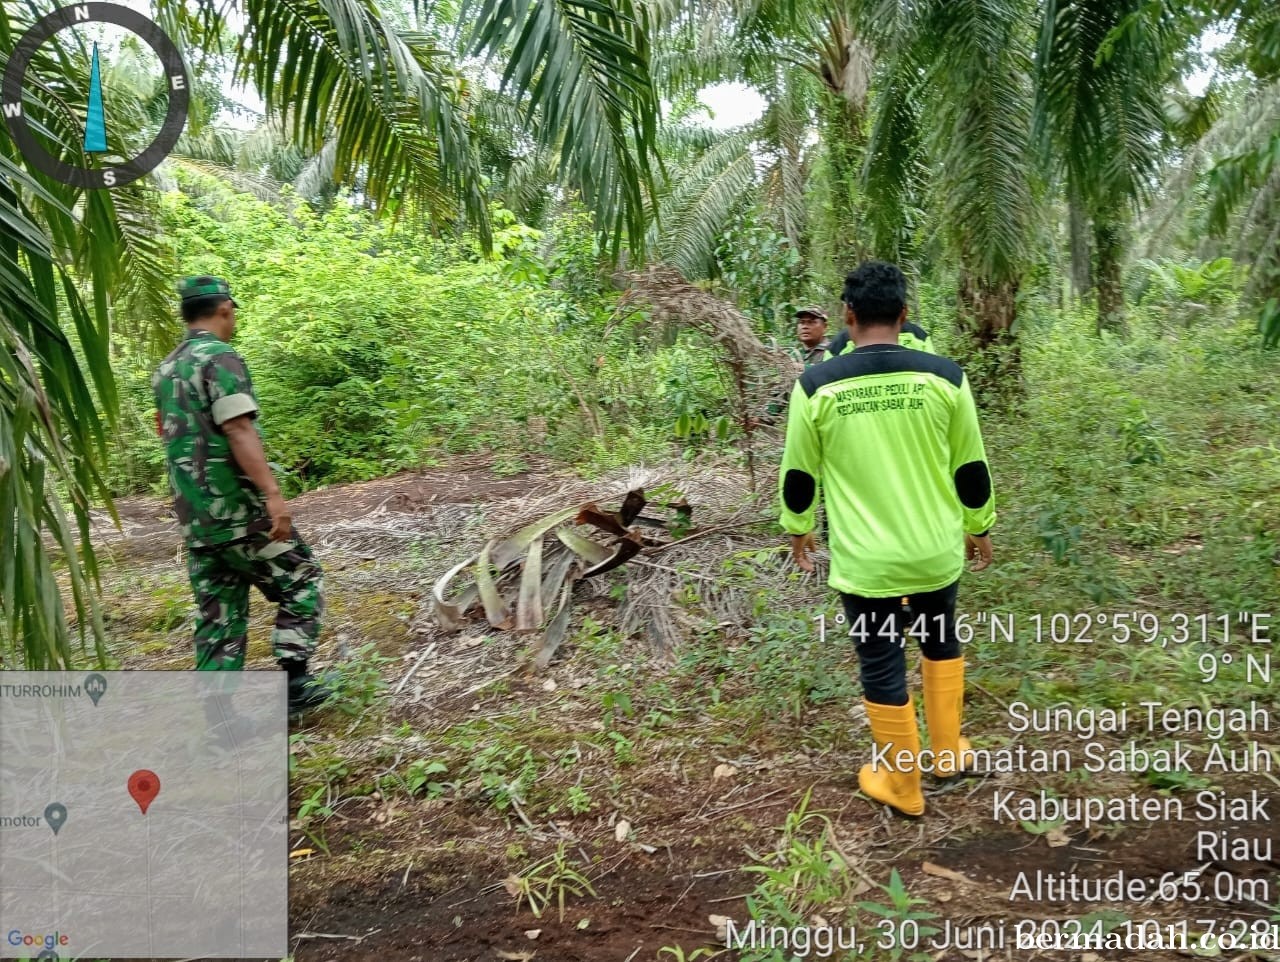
{"type": "Point", "coordinates": [15, 81]}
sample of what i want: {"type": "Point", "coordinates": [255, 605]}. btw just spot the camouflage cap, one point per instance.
{"type": "Point", "coordinates": [811, 311]}
{"type": "Point", "coordinates": [203, 285]}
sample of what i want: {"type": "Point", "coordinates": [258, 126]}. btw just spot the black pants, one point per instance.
{"type": "Point", "coordinates": [877, 627]}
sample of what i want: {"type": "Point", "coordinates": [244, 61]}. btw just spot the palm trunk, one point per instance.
{"type": "Point", "coordinates": [844, 143]}
{"type": "Point", "coordinates": [1081, 256]}
{"type": "Point", "coordinates": [992, 357]}
{"type": "Point", "coordinates": [1108, 240]}
{"type": "Point", "coordinates": [988, 309]}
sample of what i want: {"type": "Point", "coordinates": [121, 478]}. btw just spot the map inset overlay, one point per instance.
{"type": "Point", "coordinates": [143, 814]}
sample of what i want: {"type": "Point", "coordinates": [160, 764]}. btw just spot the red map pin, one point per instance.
{"type": "Point", "coordinates": [144, 786]}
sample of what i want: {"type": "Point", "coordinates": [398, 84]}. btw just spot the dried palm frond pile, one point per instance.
{"type": "Point", "coordinates": [603, 554]}
{"type": "Point", "coordinates": [761, 374]}
{"type": "Point", "coordinates": [524, 582]}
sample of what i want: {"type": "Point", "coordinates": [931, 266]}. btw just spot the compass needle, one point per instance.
{"type": "Point", "coordinates": [95, 124]}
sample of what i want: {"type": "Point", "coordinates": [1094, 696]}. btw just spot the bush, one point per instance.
{"type": "Point", "coordinates": [375, 348]}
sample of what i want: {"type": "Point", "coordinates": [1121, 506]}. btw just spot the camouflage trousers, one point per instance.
{"type": "Point", "coordinates": [286, 574]}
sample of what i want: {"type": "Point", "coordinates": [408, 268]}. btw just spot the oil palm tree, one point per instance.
{"type": "Point", "coordinates": [391, 107]}
{"type": "Point", "coordinates": [950, 130]}
{"type": "Point", "coordinates": [1102, 72]}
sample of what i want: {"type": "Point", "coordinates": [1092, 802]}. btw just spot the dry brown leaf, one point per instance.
{"type": "Point", "coordinates": [724, 771]}
{"type": "Point", "coordinates": [929, 868]}
{"type": "Point", "coordinates": [622, 830]}
{"type": "Point", "coordinates": [513, 885]}
{"type": "Point", "coordinates": [515, 956]}
{"type": "Point", "coordinates": [1057, 838]}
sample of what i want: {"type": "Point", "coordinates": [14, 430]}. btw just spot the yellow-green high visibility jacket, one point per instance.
{"type": "Point", "coordinates": [892, 436]}
{"type": "Point", "coordinates": [913, 335]}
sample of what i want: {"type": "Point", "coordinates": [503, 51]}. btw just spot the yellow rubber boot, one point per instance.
{"type": "Point", "coordinates": [943, 712]}
{"type": "Point", "coordinates": [894, 777]}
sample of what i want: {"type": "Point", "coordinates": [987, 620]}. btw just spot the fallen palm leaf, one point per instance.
{"type": "Point", "coordinates": [556, 630]}
{"type": "Point", "coordinates": [592, 551]}
{"type": "Point", "coordinates": [495, 609]}
{"type": "Point", "coordinates": [554, 577]}
{"type": "Point", "coordinates": [515, 546]}
{"type": "Point", "coordinates": [529, 604]}
{"type": "Point", "coordinates": [450, 613]}
{"type": "Point", "coordinates": [502, 556]}
{"type": "Point", "coordinates": [606, 521]}
{"type": "Point", "coordinates": [628, 547]}
{"type": "Point", "coordinates": [543, 591]}
{"type": "Point", "coordinates": [632, 505]}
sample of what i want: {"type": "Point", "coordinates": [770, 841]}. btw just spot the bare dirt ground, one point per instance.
{"type": "Point", "coordinates": [411, 877]}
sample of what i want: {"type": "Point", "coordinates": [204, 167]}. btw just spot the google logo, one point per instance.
{"type": "Point", "coordinates": [16, 937]}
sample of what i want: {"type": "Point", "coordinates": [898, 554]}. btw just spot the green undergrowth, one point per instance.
{"type": "Point", "coordinates": [1132, 483]}
{"type": "Point", "coordinates": [437, 350]}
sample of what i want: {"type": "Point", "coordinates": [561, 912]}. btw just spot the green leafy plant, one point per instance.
{"type": "Point", "coordinates": [313, 813]}
{"type": "Point", "coordinates": [905, 917]}
{"type": "Point", "coordinates": [419, 778]}
{"type": "Point", "coordinates": [550, 880]}
{"type": "Point", "coordinates": [1143, 443]}
{"type": "Point", "coordinates": [579, 800]}
{"type": "Point", "coordinates": [358, 682]}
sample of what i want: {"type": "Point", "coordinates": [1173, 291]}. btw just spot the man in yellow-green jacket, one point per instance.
{"type": "Point", "coordinates": [891, 434]}
{"type": "Point", "coordinates": [912, 335]}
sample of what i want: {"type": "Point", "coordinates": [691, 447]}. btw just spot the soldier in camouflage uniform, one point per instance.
{"type": "Point", "coordinates": [237, 526]}
{"type": "Point", "coordinates": [811, 332]}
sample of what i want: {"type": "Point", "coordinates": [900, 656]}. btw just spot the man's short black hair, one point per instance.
{"type": "Point", "coordinates": [876, 292]}
{"type": "Point", "coordinates": [198, 308]}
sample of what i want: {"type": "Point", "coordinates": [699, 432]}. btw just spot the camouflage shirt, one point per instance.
{"type": "Point", "coordinates": [808, 355]}
{"type": "Point", "coordinates": [199, 386]}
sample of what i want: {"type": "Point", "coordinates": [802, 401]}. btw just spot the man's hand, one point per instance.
{"type": "Point", "coordinates": [281, 518]}
{"type": "Point", "coordinates": [977, 548]}
{"type": "Point", "coordinates": [246, 448]}
{"type": "Point", "coordinates": [801, 545]}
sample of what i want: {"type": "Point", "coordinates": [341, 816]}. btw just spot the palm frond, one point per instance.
{"type": "Point", "coordinates": [583, 69]}
{"type": "Point", "coordinates": [701, 199]}
{"type": "Point", "coordinates": [893, 174]}
{"type": "Point", "coordinates": [50, 432]}
{"type": "Point", "coordinates": [390, 102]}
{"type": "Point", "coordinates": [1101, 69]}
{"type": "Point", "coordinates": [978, 133]}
